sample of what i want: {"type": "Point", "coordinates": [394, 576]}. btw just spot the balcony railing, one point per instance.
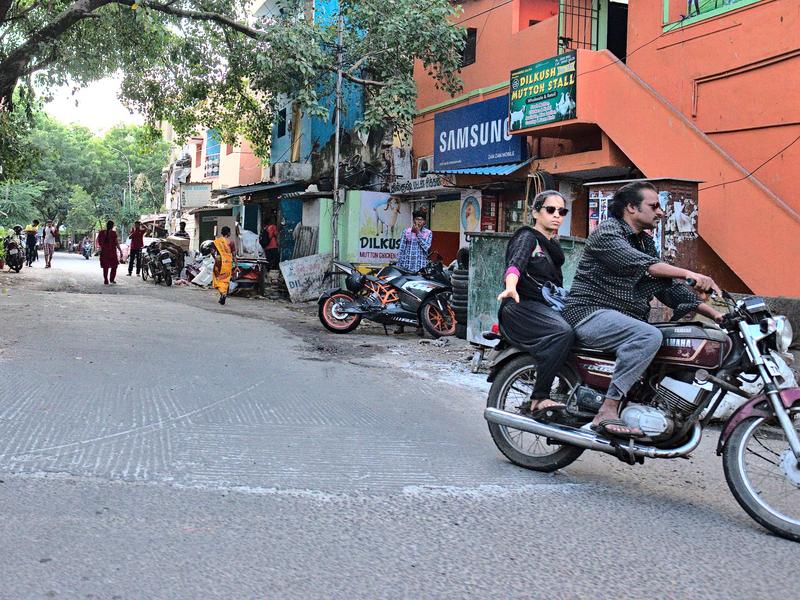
{"type": "Point", "coordinates": [212, 165]}
{"type": "Point", "coordinates": [578, 25]}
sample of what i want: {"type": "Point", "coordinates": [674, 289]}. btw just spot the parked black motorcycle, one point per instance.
{"type": "Point", "coordinates": [157, 264]}
{"type": "Point", "coordinates": [697, 366]}
{"type": "Point", "coordinates": [390, 296]}
{"type": "Point", "coordinates": [15, 257]}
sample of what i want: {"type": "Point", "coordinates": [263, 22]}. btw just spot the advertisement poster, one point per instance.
{"type": "Point", "coordinates": [470, 213]}
{"type": "Point", "coordinates": [544, 92]}
{"type": "Point", "coordinates": [382, 220]}
{"type": "Point", "coordinates": [476, 135]}
{"type": "Point", "coordinates": [598, 207]}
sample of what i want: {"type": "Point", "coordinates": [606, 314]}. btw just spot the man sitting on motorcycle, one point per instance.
{"type": "Point", "coordinates": [609, 302]}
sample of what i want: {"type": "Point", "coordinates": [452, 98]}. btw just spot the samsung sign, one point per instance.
{"type": "Point", "coordinates": [476, 136]}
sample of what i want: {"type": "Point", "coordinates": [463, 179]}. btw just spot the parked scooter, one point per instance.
{"type": "Point", "coordinates": [390, 296]}
{"type": "Point", "coordinates": [157, 264]}
{"type": "Point", "coordinates": [15, 256]}
{"type": "Point", "coordinates": [697, 366]}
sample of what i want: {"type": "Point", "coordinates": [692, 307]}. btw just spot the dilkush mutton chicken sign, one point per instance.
{"type": "Point", "coordinates": [543, 93]}
{"type": "Point", "coordinates": [476, 135]}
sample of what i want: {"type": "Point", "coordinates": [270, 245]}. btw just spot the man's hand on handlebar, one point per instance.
{"type": "Point", "coordinates": [703, 284]}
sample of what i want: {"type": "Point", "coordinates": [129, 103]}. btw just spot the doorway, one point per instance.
{"type": "Point", "coordinates": [618, 28]}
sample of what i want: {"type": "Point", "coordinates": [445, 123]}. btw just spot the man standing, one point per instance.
{"type": "Point", "coordinates": [268, 240]}
{"type": "Point", "coordinates": [608, 305]}
{"type": "Point", "coordinates": [415, 243]}
{"type": "Point", "coordinates": [137, 243]}
{"type": "Point", "coordinates": [30, 242]}
{"type": "Point", "coordinates": [181, 230]}
{"type": "Point", "coordinates": [49, 236]}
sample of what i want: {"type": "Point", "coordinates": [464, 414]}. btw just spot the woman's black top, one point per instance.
{"type": "Point", "coordinates": [525, 251]}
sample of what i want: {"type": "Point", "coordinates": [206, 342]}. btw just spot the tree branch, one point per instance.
{"type": "Point", "coordinates": [198, 15]}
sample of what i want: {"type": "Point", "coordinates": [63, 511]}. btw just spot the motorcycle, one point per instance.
{"type": "Point", "coordinates": [391, 295]}
{"type": "Point", "coordinates": [15, 257]}
{"type": "Point", "coordinates": [157, 264]}
{"type": "Point", "coordinates": [86, 250]}
{"type": "Point", "coordinates": [696, 367]}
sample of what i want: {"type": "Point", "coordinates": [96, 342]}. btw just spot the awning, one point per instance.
{"type": "Point", "coordinates": [305, 195]}
{"type": "Point", "coordinates": [244, 190]}
{"type": "Point", "coordinates": [493, 170]}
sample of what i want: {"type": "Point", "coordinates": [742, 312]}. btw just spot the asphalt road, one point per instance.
{"type": "Point", "coordinates": [154, 444]}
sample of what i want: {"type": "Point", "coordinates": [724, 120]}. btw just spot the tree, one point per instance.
{"type": "Point", "coordinates": [82, 215]}
{"type": "Point", "coordinates": [205, 62]}
{"type": "Point", "coordinates": [16, 201]}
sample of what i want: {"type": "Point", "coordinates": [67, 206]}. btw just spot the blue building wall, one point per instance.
{"type": "Point", "coordinates": [315, 132]}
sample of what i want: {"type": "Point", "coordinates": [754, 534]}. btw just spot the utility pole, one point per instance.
{"type": "Point", "coordinates": [337, 202]}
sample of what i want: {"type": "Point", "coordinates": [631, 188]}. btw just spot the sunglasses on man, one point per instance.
{"type": "Point", "coordinates": [551, 210]}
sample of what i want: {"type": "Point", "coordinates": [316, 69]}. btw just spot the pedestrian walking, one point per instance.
{"type": "Point", "coordinates": [269, 242]}
{"type": "Point", "coordinates": [108, 242]}
{"type": "Point", "coordinates": [30, 242]}
{"type": "Point", "coordinates": [224, 252]}
{"type": "Point", "coordinates": [137, 243]}
{"type": "Point", "coordinates": [49, 236]}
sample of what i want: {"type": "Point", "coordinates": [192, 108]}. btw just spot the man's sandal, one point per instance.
{"type": "Point", "coordinates": [603, 428]}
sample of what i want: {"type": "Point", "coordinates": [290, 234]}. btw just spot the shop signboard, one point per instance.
{"type": "Point", "coordinates": [476, 135]}
{"type": "Point", "coordinates": [195, 195]}
{"type": "Point", "coordinates": [382, 219]}
{"type": "Point", "coordinates": [544, 92]}
{"type": "Point", "coordinates": [420, 184]}
{"type": "Point", "coordinates": [305, 277]}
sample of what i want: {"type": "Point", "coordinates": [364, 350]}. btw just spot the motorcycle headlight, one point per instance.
{"type": "Point", "coordinates": [783, 334]}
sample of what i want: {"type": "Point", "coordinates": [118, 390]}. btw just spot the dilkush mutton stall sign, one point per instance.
{"type": "Point", "coordinates": [543, 92]}
{"type": "Point", "coordinates": [476, 135]}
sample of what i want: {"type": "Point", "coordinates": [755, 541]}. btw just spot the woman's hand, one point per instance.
{"type": "Point", "coordinates": [509, 293]}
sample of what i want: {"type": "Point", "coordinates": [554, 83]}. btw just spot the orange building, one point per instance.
{"type": "Point", "coordinates": [702, 93]}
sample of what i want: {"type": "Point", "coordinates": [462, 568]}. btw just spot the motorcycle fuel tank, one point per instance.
{"type": "Point", "coordinates": [693, 345]}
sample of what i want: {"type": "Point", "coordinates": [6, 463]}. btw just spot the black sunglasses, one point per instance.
{"type": "Point", "coordinates": [551, 210]}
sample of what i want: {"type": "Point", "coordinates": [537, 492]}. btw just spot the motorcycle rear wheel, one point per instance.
{"type": "Point", "coordinates": [763, 476]}
{"type": "Point", "coordinates": [167, 278]}
{"type": "Point", "coordinates": [512, 386]}
{"type": "Point", "coordinates": [435, 322]}
{"type": "Point", "coordinates": [144, 271]}
{"type": "Point", "coordinates": [333, 319]}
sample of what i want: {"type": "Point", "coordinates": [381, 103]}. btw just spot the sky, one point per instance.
{"type": "Point", "coordinates": [98, 107]}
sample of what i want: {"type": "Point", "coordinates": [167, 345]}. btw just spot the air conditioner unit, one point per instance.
{"type": "Point", "coordinates": [290, 171]}
{"type": "Point", "coordinates": [424, 166]}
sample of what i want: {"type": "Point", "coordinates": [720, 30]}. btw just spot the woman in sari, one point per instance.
{"type": "Point", "coordinates": [223, 263]}
{"type": "Point", "coordinates": [108, 242]}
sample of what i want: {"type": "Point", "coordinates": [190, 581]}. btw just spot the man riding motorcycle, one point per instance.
{"type": "Point", "coordinates": [617, 277]}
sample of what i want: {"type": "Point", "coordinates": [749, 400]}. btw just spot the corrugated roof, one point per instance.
{"type": "Point", "coordinates": [493, 170]}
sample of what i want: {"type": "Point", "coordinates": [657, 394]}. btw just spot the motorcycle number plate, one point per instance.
{"type": "Point", "coordinates": [13, 251]}
{"type": "Point", "coordinates": [166, 261]}
{"type": "Point", "coordinates": [772, 367]}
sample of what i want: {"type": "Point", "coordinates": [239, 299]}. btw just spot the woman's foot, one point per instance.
{"type": "Point", "coordinates": [535, 405]}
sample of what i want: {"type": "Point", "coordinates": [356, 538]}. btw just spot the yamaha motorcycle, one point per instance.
{"type": "Point", "coordinates": [390, 296]}
{"type": "Point", "coordinates": [15, 258]}
{"type": "Point", "coordinates": [697, 366]}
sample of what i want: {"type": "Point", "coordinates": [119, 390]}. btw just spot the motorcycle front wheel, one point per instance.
{"type": "Point", "coordinates": [144, 271]}
{"type": "Point", "coordinates": [763, 474]}
{"type": "Point", "coordinates": [512, 386]}
{"type": "Point", "coordinates": [331, 316]}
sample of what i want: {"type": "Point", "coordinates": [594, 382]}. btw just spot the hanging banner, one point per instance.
{"type": "Point", "coordinates": [382, 219]}
{"type": "Point", "coordinates": [305, 277]}
{"type": "Point", "coordinates": [544, 92]}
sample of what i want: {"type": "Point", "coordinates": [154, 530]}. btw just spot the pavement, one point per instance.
{"type": "Point", "coordinates": [154, 444]}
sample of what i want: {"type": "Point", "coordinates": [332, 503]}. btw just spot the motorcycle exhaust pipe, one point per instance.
{"type": "Point", "coordinates": [584, 438]}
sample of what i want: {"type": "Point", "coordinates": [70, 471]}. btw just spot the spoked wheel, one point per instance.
{"type": "Point", "coordinates": [438, 321]}
{"type": "Point", "coordinates": [763, 474]}
{"type": "Point", "coordinates": [514, 386]}
{"type": "Point", "coordinates": [333, 318]}
{"type": "Point", "coordinates": [144, 271]}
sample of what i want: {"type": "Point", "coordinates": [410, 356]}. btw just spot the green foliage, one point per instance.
{"type": "Point", "coordinates": [207, 63]}
{"type": "Point", "coordinates": [82, 215]}
{"type": "Point", "coordinates": [16, 201]}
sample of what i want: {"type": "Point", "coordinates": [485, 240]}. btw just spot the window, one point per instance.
{"type": "Point", "coordinates": [678, 13]}
{"type": "Point", "coordinates": [198, 154]}
{"type": "Point", "coordinates": [468, 54]}
{"type": "Point", "coordinates": [281, 122]}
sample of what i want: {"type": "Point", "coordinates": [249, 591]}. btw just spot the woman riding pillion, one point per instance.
{"type": "Point", "coordinates": [533, 261]}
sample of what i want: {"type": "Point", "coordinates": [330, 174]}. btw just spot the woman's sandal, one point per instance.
{"type": "Point", "coordinates": [534, 409]}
